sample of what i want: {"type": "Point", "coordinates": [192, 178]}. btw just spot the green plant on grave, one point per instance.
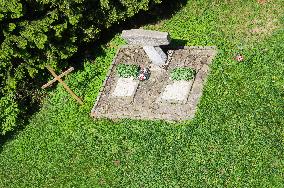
{"type": "Point", "coordinates": [127, 70]}
{"type": "Point", "coordinates": [182, 73]}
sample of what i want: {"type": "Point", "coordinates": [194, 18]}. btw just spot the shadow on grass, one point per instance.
{"type": "Point", "coordinates": [90, 51]}
{"type": "Point", "coordinates": [163, 11]}
{"type": "Point", "coordinates": [29, 96]}
{"type": "Point", "coordinates": [175, 43]}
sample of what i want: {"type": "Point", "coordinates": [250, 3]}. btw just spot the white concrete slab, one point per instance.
{"type": "Point", "coordinates": [177, 92]}
{"type": "Point", "coordinates": [125, 87]}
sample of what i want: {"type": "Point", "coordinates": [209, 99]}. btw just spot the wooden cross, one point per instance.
{"type": "Point", "coordinates": [58, 78]}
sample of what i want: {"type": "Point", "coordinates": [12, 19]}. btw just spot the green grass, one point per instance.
{"type": "Point", "coordinates": [235, 140]}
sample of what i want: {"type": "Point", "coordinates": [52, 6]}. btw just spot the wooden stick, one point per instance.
{"type": "Point", "coordinates": [60, 76]}
{"type": "Point", "coordinates": [64, 85]}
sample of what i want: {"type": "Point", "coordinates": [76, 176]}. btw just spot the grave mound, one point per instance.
{"type": "Point", "coordinates": [167, 86]}
{"type": "Point", "coordinates": [159, 97]}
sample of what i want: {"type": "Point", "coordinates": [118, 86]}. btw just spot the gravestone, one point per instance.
{"type": "Point", "coordinates": [150, 41]}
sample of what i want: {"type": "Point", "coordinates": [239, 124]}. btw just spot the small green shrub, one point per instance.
{"type": "Point", "coordinates": [182, 73]}
{"type": "Point", "coordinates": [127, 71]}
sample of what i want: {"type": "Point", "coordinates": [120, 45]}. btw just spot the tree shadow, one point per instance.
{"type": "Point", "coordinates": [163, 11]}
{"type": "Point", "coordinates": [29, 98]}
{"type": "Point", "coordinates": [177, 43]}
{"type": "Point", "coordinates": [90, 51]}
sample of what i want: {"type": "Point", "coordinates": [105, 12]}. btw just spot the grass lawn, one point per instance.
{"type": "Point", "coordinates": [235, 140]}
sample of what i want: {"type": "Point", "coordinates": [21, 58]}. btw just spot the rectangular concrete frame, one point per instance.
{"type": "Point", "coordinates": [195, 94]}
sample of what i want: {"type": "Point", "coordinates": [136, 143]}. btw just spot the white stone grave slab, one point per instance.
{"type": "Point", "coordinates": [125, 87]}
{"type": "Point", "coordinates": [177, 92]}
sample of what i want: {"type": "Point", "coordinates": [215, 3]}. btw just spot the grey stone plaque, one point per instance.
{"type": "Point", "coordinates": [146, 37]}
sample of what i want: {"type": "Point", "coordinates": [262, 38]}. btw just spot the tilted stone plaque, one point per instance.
{"type": "Point", "coordinates": [146, 37]}
{"type": "Point", "coordinates": [151, 42]}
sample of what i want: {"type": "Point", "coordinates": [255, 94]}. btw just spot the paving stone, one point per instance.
{"type": "Point", "coordinates": [177, 92]}
{"type": "Point", "coordinates": [146, 37]}
{"type": "Point", "coordinates": [156, 55]}
{"type": "Point", "coordinates": [125, 87]}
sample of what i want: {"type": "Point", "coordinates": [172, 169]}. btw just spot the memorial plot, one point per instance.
{"type": "Point", "coordinates": [171, 92]}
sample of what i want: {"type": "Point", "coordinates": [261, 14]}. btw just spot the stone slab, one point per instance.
{"type": "Point", "coordinates": [146, 37]}
{"type": "Point", "coordinates": [125, 87]}
{"type": "Point", "coordinates": [156, 55]}
{"type": "Point", "coordinates": [177, 92]}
